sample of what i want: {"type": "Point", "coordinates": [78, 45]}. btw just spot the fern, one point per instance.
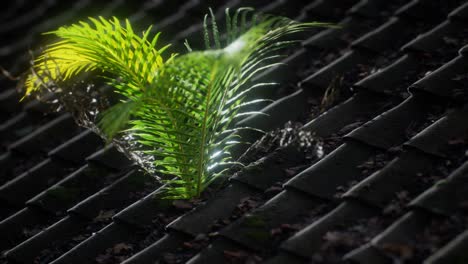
{"type": "Point", "coordinates": [176, 117]}
{"type": "Point", "coordinates": [106, 46]}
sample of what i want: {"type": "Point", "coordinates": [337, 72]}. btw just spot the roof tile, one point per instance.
{"type": "Point", "coordinates": [443, 82]}
{"type": "Point", "coordinates": [441, 137]}
{"type": "Point", "coordinates": [401, 174]}
{"type": "Point", "coordinates": [393, 126]}
{"type": "Point", "coordinates": [309, 240]}
{"type": "Point", "coordinates": [453, 252]}
{"type": "Point", "coordinates": [254, 230]}
{"type": "Point", "coordinates": [446, 196]}
{"type": "Point", "coordinates": [340, 168]}
{"type": "Point", "coordinates": [376, 74]}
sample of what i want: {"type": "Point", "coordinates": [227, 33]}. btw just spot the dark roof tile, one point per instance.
{"type": "Point", "coordinates": [418, 231]}
{"type": "Point", "coordinates": [110, 157]}
{"type": "Point", "coordinates": [286, 258]}
{"type": "Point", "coordinates": [219, 207]}
{"type": "Point", "coordinates": [30, 183]}
{"type": "Point", "coordinates": [400, 232]}
{"type": "Point", "coordinates": [148, 255]}
{"type": "Point", "coordinates": [41, 139]}
{"type": "Point", "coordinates": [9, 101]}
{"type": "Point", "coordinates": [288, 75]}
{"type": "Point", "coordinates": [323, 9]}
{"type": "Point", "coordinates": [39, 106]}
{"type": "Point", "coordinates": [219, 252]}
{"type": "Point", "coordinates": [367, 254]}
{"type": "Point", "coordinates": [435, 40]}
{"type": "Point", "coordinates": [337, 38]}
{"type": "Point", "coordinates": [382, 38]}
{"type": "Point", "coordinates": [255, 230]}
{"type": "Point", "coordinates": [443, 81]}
{"type": "Point", "coordinates": [72, 189]}
{"type": "Point", "coordinates": [359, 106]}
{"type": "Point", "coordinates": [28, 250]}
{"type": "Point", "coordinates": [427, 10]}
{"type": "Point", "coordinates": [374, 9]}
{"type": "Point", "coordinates": [5, 161]}
{"type": "Point", "coordinates": [439, 138]}
{"type": "Point", "coordinates": [453, 252]}
{"type": "Point", "coordinates": [290, 107]}
{"type": "Point", "coordinates": [401, 174]}
{"type": "Point", "coordinates": [389, 78]}
{"type": "Point", "coordinates": [13, 228]}
{"type": "Point", "coordinates": [340, 168]}
{"type": "Point", "coordinates": [86, 251]}
{"type": "Point", "coordinates": [263, 173]}
{"type": "Point", "coordinates": [460, 13]}
{"type": "Point", "coordinates": [77, 148]}
{"type": "Point", "coordinates": [446, 196]}
{"type": "Point", "coordinates": [143, 211]}
{"type": "Point", "coordinates": [309, 240]}
{"type": "Point", "coordinates": [393, 126]}
{"type": "Point", "coordinates": [96, 208]}
{"type": "Point", "coordinates": [101, 187]}
{"type": "Point", "coordinates": [322, 78]}
{"type": "Point", "coordinates": [14, 127]}
{"type": "Point", "coordinates": [116, 195]}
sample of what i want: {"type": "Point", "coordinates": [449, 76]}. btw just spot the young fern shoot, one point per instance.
{"type": "Point", "coordinates": [176, 115]}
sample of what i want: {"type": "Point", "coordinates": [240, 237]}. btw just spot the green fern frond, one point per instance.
{"type": "Point", "coordinates": [101, 44]}
{"type": "Point", "coordinates": [208, 98]}
{"type": "Point", "coordinates": [177, 114]}
{"type": "Point", "coordinates": [109, 47]}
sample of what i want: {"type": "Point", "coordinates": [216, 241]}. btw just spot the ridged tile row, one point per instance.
{"type": "Point", "coordinates": [387, 131]}
{"type": "Point", "coordinates": [115, 230]}
{"type": "Point", "coordinates": [50, 169]}
{"type": "Point", "coordinates": [45, 166]}
{"type": "Point", "coordinates": [390, 185]}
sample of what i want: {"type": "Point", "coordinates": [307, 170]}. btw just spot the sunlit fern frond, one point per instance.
{"type": "Point", "coordinates": [108, 47]}
{"type": "Point", "coordinates": [180, 121]}
{"type": "Point", "coordinates": [186, 119]}
{"type": "Point", "coordinates": [105, 45]}
{"type": "Point", "coordinates": [176, 118]}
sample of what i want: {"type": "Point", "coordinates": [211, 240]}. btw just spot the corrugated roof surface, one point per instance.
{"type": "Point", "coordinates": [392, 185]}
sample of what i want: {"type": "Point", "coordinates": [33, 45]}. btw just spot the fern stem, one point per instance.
{"type": "Point", "coordinates": [215, 30]}
{"type": "Point", "coordinates": [206, 35]}
{"type": "Point", "coordinates": [176, 128]}
{"type": "Point", "coordinates": [203, 132]}
{"type": "Point", "coordinates": [228, 27]}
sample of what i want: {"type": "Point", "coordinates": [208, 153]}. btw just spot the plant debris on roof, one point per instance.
{"type": "Point", "coordinates": [384, 98]}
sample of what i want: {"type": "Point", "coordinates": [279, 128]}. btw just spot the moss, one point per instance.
{"type": "Point", "coordinates": [63, 193]}
{"type": "Point", "coordinates": [95, 172]}
{"type": "Point", "coordinates": [161, 203]}
{"type": "Point", "coordinates": [254, 221]}
{"type": "Point", "coordinates": [254, 168]}
{"type": "Point", "coordinates": [255, 228]}
{"type": "Point", "coordinates": [461, 260]}
{"type": "Point", "coordinates": [137, 180]}
{"type": "Point", "coordinates": [441, 183]}
{"type": "Point", "coordinates": [259, 235]}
